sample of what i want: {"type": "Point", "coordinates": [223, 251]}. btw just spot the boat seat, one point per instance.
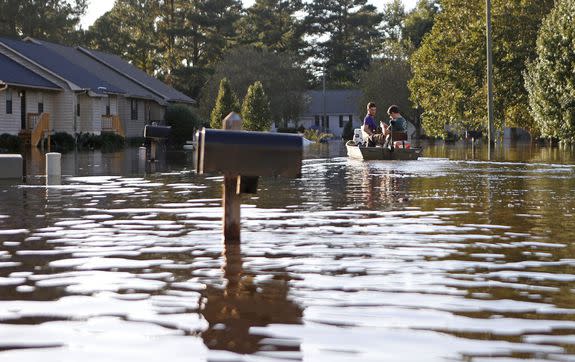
{"type": "Point", "coordinates": [399, 136]}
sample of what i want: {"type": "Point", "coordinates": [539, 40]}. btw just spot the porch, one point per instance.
{"type": "Point", "coordinates": [37, 129]}
{"type": "Point", "coordinates": [113, 124]}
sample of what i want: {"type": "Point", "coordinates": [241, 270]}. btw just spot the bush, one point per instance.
{"type": "Point", "coordinates": [347, 134]}
{"type": "Point", "coordinates": [112, 141]}
{"type": "Point", "coordinates": [88, 141]}
{"type": "Point", "coordinates": [256, 113]}
{"type": "Point", "coordinates": [62, 142]}
{"type": "Point", "coordinates": [183, 122]}
{"type": "Point", "coordinates": [287, 130]}
{"type": "Point", "coordinates": [317, 136]}
{"type": "Point", "coordinates": [9, 143]}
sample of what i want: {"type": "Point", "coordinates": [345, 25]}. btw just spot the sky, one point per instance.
{"type": "Point", "coordinates": [97, 8]}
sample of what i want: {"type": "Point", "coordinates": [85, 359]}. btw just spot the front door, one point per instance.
{"type": "Point", "coordinates": [23, 108]}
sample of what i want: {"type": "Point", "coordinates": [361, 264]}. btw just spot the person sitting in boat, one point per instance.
{"type": "Point", "coordinates": [369, 128]}
{"type": "Point", "coordinates": [396, 123]}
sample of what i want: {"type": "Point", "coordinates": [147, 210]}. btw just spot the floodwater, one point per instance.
{"type": "Point", "coordinates": [464, 255]}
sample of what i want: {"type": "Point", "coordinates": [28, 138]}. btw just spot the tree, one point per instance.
{"type": "Point", "coordinates": [273, 25]}
{"type": "Point", "coordinates": [345, 37]}
{"type": "Point", "coordinates": [284, 81]}
{"type": "Point", "coordinates": [550, 79]}
{"type": "Point", "coordinates": [129, 30]}
{"type": "Point", "coordinates": [183, 122]}
{"type": "Point", "coordinates": [385, 83]}
{"type": "Point", "coordinates": [449, 68]}
{"type": "Point", "coordinates": [347, 133]}
{"type": "Point", "coordinates": [226, 102]}
{"type": "Point", "coordinates": [53, 20]}
{"type": "Point", "coordinates": [256, 113]}
{"type": "Point", "coordinates": [418, 22]}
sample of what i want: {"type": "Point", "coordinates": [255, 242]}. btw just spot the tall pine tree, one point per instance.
{"type": "Point", "coordinates": [226, 102]}
{"type": "Point", "coordinates": [345, 37]}
{"type": "Point", "coordinates": [256, 112]}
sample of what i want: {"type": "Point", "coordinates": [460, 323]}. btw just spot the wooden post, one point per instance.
{"type": "Point", "coordinates": [231, 197]}
{"type": "Point", "coordinates": [232, 202]}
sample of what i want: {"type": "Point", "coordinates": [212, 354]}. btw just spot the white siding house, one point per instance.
{"type": "Point", "coordinates": [77, 90]}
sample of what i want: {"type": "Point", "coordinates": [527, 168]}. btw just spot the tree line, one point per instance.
{"type": "Point", "coordinates": [430, 60]}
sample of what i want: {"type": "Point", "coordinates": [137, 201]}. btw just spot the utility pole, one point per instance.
{"type": "Point", "coordinates": [490, 129]}
{"type": "Point", "coordinates": [323, 118]}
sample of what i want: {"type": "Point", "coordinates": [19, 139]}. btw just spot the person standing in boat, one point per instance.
{"type": "Point", "coordinates": [369, 128]}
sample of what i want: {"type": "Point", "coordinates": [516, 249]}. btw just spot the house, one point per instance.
{"type": "Point", "coordinates": [330, 111]}
{"type": "Point", "coordinates": [55, 88]}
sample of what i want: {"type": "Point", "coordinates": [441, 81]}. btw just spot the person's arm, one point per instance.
{"type": "Point", "coordinates": [366, 129]}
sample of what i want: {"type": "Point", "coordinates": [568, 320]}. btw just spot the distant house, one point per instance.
{"type": "Point", "coordinates": [54, 88]}
{"type": "Point", "coordinates": [330, 111]}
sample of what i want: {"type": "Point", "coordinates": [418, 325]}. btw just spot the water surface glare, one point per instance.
{"type": "Point", "coordinates": [441, 259]}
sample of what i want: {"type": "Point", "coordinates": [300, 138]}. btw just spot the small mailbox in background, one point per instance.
{"type": "Point", "coordinates": [242, 157]}
{"type": "Point", "coordinates": [156, 133]}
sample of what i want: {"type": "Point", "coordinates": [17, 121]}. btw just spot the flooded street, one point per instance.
{"type": "Point", "coordinates": [463, 255]}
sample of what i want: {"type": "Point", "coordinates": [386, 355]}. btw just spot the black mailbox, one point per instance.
{"type": "Point", "coordinates": [249, 153]}
{"type": "Point", "coordinates": [153, 131]}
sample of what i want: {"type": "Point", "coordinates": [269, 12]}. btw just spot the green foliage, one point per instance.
{"type": "Point", "coordinates": [226, 102]}
{"type": "Point", "coordinates": [53, 20]}
{"type": "Point", "coordinates": [317, 136]}
{"type": "Point", "coordinates": [62, 142]}
{"type": "Point", "coordinates": [112, 142]}
{"type": "Point", "coordinates": [347, 133]}
{"type": "Point", "coordinates": [256, 113]}
{"type": "Point", "coordinates": [178, 41]}
{"type": "Point", "coordinates": [449, 80]}
{"type": "Point", "coordinates": [9, 143]}
{"type": "Point", "coordinates": [273, 25]}
{"type": "Point", "coordinates": [284, 82]}
{"type": "Point", "coordinates": [183, 122]}
{"type": "Point", "coordinates": [385, 83]}
{"type": "Point", "coordinates": [345, 33]}
{"type": "Point", "coordinates": [418, 23]}
{"type": "Point", "coordinates": [88, 141]}
{"type": "Point", "coordinates": [550, 78]}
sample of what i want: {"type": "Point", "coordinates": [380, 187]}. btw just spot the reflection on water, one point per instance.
{"type": "Point", "coordinates": [464, 254]}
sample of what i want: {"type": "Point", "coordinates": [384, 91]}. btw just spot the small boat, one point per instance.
{"type": "Point", "coordinates": [359, 151]}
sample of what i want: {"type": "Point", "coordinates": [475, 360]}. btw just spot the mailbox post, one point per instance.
{"type": "Point", "coordinates": [242, 157]}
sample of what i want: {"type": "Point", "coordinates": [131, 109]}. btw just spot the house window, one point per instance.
{"type": "Point", "coordinates": [317, 121]}
{"type": "Point", "coordinates": [340, 121]}
{"type": "Point", "coordinates": [108, 106]}
{"type": "Point", "coordinates": [326, 122]}
{"type": "Point", "coordinates": [134, 109]}
{"type": "Point", "coordinates": [78, 109]}
{"type": "Point", "coordinates": [9, 101]}
{"type": "Point", "coordinates": [350, 118]}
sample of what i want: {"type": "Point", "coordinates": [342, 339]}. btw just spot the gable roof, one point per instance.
{"type": "Point", "coordinates": [137, 75]}
{"type": "Point", "coordinates": [14, 74]}
{"type": "Point", "coordinates": [117, 79]}
{"type": "Point", "coordinates": [96, 71]}
{"type": "Point", "coordinates": [338, 101]}
{"type": "Point", "coordinates": [60, 66]}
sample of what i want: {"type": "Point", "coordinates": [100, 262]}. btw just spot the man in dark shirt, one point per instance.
{"type": "Point", "coordinates": [369, 128]}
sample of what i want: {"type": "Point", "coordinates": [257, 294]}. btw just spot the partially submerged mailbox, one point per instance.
{"type": "Point", "coordinates": [155, 133]}
{"type": "Point", "coordinates": [249, 153]}
{"type": "Point", "coordinates": [242, 157]}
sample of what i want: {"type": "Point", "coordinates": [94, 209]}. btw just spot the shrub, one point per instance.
{"type": "Point", "coordinates": [10, 143]}
{"type": "Point", "coordinates": [226, 102]}
{"type": "Point", "coordinates": [256, 113]}
{"type": "Point", "coordinates": [183, 122]}
{"type": "Point", "coordinates": [112, 141]}
{"type": "Point", "coordinates": [62, 142]}
{"type": "Point", "coordinates": [317, 136]}
{"type": "Point", "coordinates": [347, 131]}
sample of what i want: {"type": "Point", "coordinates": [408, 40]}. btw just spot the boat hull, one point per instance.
{"type": "Point", "coordinates": [381, 153]}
